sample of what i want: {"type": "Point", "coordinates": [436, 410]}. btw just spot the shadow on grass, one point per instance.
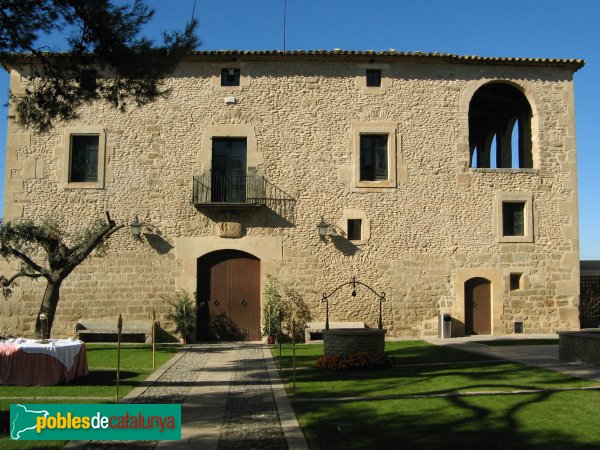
{"type": "Point", "coordinates": [522, 422]}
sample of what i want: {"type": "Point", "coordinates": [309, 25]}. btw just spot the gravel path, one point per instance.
{"type": "Point", "coordinates": [251, 420]}
{"type": "Point", "coordinates": [171, 387]}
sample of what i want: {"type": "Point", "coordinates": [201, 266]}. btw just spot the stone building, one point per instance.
{"type": "Point", "coordinates": [448, 182]}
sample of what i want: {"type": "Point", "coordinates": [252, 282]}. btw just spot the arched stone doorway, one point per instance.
{"type": "Point", "coordinates": [478, 306]}
{"type": "Point", "coordinates": [228, 294]}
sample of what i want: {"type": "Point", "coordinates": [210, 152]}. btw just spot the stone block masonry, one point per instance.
{"type": "Point", "coordinates": [426, 230]}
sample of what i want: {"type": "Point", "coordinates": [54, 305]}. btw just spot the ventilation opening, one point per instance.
{"type": "Point", "coordinates": [516, 281]}
{"type": "Point", "coordinates": [518, 327]}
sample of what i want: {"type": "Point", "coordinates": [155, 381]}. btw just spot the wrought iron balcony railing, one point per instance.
{"type": "Point", "coordinates": [231, 191]}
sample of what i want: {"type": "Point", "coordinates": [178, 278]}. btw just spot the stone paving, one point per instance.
{"type": "Point", "coordinates": [236, 376]}
{"type": "Point", "coordinates": [252, 421]}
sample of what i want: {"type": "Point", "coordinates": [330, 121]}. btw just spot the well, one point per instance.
{"type": "Point", "coordinates": [579, 346]}
{"type": "Point", "coordinates": [344, 341]}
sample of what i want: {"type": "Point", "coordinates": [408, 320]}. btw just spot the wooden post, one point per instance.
{"type": "Point", "coordinates": [119, 328]}
{"type": "Point", "coordinates": [153, 339]}
{"type": "Point", "coordinates": [293, 361]}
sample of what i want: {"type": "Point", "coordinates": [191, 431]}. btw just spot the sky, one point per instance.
{"type": "Point", "coordinates": [506, 28]}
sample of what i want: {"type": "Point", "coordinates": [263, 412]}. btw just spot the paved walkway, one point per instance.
{"type": "Point", "coordinates": [232, 398]}
{"type": "Point", "coordinates": [544, 356]}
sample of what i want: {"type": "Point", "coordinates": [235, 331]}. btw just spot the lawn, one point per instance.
{"type": "Point", "coordinates": [483, 419]}
{"type": "Point", "coordinates": [97, 387]}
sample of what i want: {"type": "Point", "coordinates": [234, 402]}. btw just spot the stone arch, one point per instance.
{"type": "Point", "coordinates": [530, 96]}
{"type": "Point", "coordinates": [228, 296]}
{"type": "Point", "coordinates": [462, 276]}
{"type": "Point", "coordinates": [478, 306]}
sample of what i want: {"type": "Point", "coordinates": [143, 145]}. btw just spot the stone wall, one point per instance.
{"type": "Point", "coordinates": [300, 119]}
{"type": "Point", "coordinates": [581, 346]}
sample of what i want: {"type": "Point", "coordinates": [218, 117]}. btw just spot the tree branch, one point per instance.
{"type": "Point", "coordinates": [5, 282]}
{"type": "Point", "coordinates": [26, 260]}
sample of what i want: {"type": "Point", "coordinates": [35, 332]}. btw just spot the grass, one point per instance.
{"type": "Point", "coordinates": [510, 342]}
{"type": "Point", "coordinates": [533, 421]}
{"type": "Point", "coordinates": [97, 387]}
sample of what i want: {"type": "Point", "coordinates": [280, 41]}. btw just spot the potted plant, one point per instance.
{"type": "Point", "coordinates": [184, 316]}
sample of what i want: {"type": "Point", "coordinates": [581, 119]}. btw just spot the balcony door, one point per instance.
{"type": "Point", "coordinates": [228, 176]}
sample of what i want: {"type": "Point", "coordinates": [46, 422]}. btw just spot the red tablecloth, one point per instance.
{"type": "Point", "coordinates": [33, 365]}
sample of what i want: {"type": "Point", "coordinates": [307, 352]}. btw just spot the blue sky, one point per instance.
{"type": "Point", "coordinates": [508, 28]}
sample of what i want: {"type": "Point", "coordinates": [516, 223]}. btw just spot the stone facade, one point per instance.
{"type": "Point", "coordinates": [426, 230]}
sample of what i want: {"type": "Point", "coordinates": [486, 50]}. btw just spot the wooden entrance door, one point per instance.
{"type": "Point", "coordinates": [229, 296]}
{"type": "Point", "coordinates": [478, 311]}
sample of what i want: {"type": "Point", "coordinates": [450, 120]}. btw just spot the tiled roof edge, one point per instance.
{"type": "Point", "coordinates": [575, 64]}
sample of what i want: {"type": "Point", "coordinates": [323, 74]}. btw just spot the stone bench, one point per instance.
{"type": "Point", "coordinates": [106, 331]}
{"type": "Point", "coordinates": [314, 330]}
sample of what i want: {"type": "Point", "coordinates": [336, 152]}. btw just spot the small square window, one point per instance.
{"type": "Point", "coordinates": [230, 77]}
{"type": "Point", "coordinates": [516, 281]}
{"type": "Point", "coordinates": [373, 157]}
{"type": "Point", "coordinates": [84, 158]}
{"type": "Point", "coordinates": [373, 78]}
{"type": "Point", "coordinates": [513, 218]}
{"type": "Point", "coordinates": [354, 229]}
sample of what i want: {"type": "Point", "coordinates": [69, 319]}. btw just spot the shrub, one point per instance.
{"type": "Point", "coordinates": [184, 315]}
{"type": "Point", "coordinates": [354, 361]}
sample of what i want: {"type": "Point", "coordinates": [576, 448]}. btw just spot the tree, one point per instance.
{"type": "Point", "coordinates": [106, 58]}
{"type": "Point", "coordinates": [23, 241]}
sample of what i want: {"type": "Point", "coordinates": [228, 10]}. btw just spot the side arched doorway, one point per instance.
{"type": "Point", "coordinates": [228, 296]}
{"type": "Point", "coordinates": [478, 306]}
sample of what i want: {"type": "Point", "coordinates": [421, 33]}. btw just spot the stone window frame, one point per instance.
{"type": "Point", "coordinates": [361, 78]}
{"type": "Point", "coordinates": [388, 128]}
{"type": "Point", "coordinates": [524, 274]}
{"type": "Point", "coordinates": [253, 157]}
{"type": "Point", "coordinates": [64, 153]}
{"type": "Point", "coordinates": [215, 79]}
{"type": "Point", "coordinates": [514, 197]}
{"type": "Point", "coordinates": [365, 224]}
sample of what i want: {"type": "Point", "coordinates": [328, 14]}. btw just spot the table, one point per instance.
{"type": "Point", "coordinates": [29, 362]}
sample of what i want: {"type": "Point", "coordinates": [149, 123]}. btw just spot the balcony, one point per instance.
{"type": "Point", "coordinates": [237, 192]}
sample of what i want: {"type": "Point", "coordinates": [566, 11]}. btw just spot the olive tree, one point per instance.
{"type": "Point", "coordinates": [28, 244]}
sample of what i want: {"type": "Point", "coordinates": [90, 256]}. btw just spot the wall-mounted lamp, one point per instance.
{"type": "Point", "coordinates": [136, 228]}
{"type": "Point", "coordinates": [322, 227]}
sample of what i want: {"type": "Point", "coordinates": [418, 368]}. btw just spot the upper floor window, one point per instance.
{"type": "Point", "coordinates": [84, 158]}
{"type": "Point", "coordinates": [373, 157]}
{"type": "Point", "coordinates": [513, 215]}
{"type": "Point", "coordinates": [500, 128]}
{"type": "Point", "coordinates": [230, 77]}
{"type": "Point", "coordinates": [373, 78]}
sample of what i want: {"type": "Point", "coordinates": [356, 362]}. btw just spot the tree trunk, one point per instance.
{"type": "Point", "coordinates": [49, 304]}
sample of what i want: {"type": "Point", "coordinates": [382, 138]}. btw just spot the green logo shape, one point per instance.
{"type": "Point", "coordinates": [147, 422]}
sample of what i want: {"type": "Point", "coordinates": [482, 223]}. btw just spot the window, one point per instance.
{"type": "Point", "coordinates": [373, 78]}
{"type": "Point", "coordinates": [513, 214]}
{"type": "Point", "coordinates": [514, 217]}
{"type": "Point", "coordinates": [356, 226]}
{"type": "Point", "coordinates": [373, 157]}
{"type": "Point", "coordinates": [354, 229]}
{"type": "Point", "coordinates": [376, 161]}
{"type": "Point", "coordinates": [230, 77]}
{"type": "Point", "coordinates": [500, 128]}
{"type": "Point", "coordinates": [84, 158]}
{"type": "Point", "coordinates": [515, 281]}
